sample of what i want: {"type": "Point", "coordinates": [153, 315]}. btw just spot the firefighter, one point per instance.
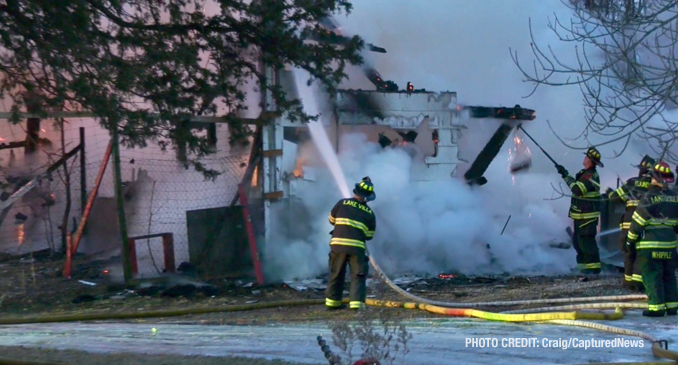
{"type": "Point", "coordinates": [652, 237]}
{"type": "Point", "coordinates": [631, 193]}
{"type": "Point", "coordinates": [585, 211]}
{"type": "Point", "coordinates": [354, 223]}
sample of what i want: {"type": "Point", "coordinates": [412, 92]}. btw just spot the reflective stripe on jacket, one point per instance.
{"type": "Point", "coordinates": [354, 223]}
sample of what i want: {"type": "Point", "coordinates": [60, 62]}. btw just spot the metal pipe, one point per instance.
{"type": "Point", "coordinates": [122, 222]}
{"type": "Point", "coordinates": [92, 195]}
{"type": "Point", "coordinates": [520, 126]}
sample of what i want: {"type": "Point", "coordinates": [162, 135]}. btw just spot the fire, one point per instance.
{"type": "Point", "coordinates": [2, 139]}
{"type": "Point", "coordinates": [43, 130]}
{"type": "Point", "coordinates": [299, 172]}
{"type": "Point", "coordinates": [20, 234]}
{"type": "Point", "coordinates": [255, 176]}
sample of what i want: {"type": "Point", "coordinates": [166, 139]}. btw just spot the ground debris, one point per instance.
{"type": "Point", "coordinates": [34, 289]}
{"type": "Point", "coordinates": [312, 284]}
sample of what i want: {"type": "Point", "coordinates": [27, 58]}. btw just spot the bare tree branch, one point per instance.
{"type": "Point", "coordinates": [625, 63]}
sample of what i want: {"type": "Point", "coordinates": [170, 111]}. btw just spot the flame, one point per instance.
{"type": "Point", "coordinates": [43, 130]}
{"type": "Point", "coordinates": [20, 234]}
{"type": "Point", "coordinates": [255, 176]}
{"type": "Point", "coordinates": [2, 139]}
{"type": "Point", "coordinates": [299, 172]}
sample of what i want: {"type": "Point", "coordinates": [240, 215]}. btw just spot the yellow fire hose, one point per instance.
{"type": "Point", "coordinates": [580, 306]}
{"type": "Point", "coordinates": [461, 312]}
{"type": "Point", "coordinates": [657, 349]}
{"type": "Point", "coordinates": [417, 299]}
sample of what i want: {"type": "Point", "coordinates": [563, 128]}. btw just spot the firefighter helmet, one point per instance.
{"type": "Point", "coordinates": [594, 156]}
{"type": "Point", "coordinates": [365, 189]}
{"type": "Point", "coordinates": [647, 163]}
{"type": "Point", "coordinates": [662, 172]}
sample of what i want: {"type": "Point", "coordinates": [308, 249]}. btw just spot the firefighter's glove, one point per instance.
{"type": "Point", "coordinates": [562, 171]}
{"type": "Point", "coordinates": [332, 232]}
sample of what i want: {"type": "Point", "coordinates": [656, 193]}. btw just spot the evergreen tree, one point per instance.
{"type": "Point", "coordinates": [145, 66]}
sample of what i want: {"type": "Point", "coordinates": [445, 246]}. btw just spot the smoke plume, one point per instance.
{"type": "Point", "coordinates": [427, 228]}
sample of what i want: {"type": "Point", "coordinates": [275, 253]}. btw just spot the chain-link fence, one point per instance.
{"type": "Point", "coordinates": [33, 221]}
{"type": "Point", "coordinates": [161, 195]}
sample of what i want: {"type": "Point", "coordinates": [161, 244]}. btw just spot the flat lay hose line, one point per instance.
{"type": "Point", "coordinates": [418, 299]}
{"type": "Point", "coordinates": [657, 348]}
{"type": "Point", "coordinates": [580, 306]}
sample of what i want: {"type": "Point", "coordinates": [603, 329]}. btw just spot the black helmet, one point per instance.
{"type": "Point", "coordinates": [647, 163]}
{"type": "Point", "coordinates": [365, 189]}
{"type": "Point", "coordinates": [594, 156]}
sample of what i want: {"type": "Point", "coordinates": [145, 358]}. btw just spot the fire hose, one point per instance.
{"type": "Point", "coordinates": [417, 299]}
{"type": "Point", "coordinates": [659, 347]}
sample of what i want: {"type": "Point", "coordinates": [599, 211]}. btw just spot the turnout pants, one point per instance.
{"type": "Point", "coordinates": [631, 268]}
{"type": "Point", "coordinates": [358, 262]}
{"type": "Point", "coordinates": [658, 268]}
{"type": "Point", "coordinates": [584, 243]}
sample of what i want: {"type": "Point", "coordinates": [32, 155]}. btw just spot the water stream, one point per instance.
{"type": "Point", "coordinates": [307, 95]}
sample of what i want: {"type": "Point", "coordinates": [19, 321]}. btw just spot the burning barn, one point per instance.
{"type": "Point", "coordinates": [429, 126]}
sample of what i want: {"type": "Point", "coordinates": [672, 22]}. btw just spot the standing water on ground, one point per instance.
{"type": "Point", "coordinates": [308, 99]}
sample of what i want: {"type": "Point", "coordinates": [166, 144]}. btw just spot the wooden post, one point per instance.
{"type": "Point", "coordinates": [83, 171]}
{"type": "Point", "coordinates": [32, 135]}
{"type": "Point", "coordinates": [168, 252]}
{"type": "Point", "coordinates": [69, 256]}
{"type": "Point", "coordinates": [132, 247]}
{"type": "Point", "coordinates": [126, 263]}
{"type": "Point", "coordinates": [251, 238]}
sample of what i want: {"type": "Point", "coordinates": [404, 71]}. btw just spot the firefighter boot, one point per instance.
{"type": "Point", "coordinates": [343, 306]}
{"type": "Point", "coordinates": [629, 284]}
{"type": "Point", "coordinates": [649, 313]}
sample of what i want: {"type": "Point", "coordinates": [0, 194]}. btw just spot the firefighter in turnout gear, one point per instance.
{"type": "Point", "coordinates": [652, 237]}
{"type": "Point", "coordinates": [631, 193]}
{"type": "Point", "coordinates": [585, 211]}
{"type": "Point", "coordinates": [354, 223]}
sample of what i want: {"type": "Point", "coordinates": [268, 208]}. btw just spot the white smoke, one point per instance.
{"type": "Point", "coordinates": [464, 47]}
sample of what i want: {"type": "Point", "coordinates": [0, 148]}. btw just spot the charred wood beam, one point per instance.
{"type": "Point", "coordinates": [474, 175]}
{"type": "Point", "coordinates": [63, 160]}
{"type": "Point", "coordinates": [19, 144]}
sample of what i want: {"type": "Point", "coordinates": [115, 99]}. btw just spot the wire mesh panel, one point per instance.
{"type": "Point", "coordinates": [159, 191]}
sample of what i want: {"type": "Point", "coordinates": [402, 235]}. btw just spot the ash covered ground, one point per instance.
{"type": "Point", "coordinates": [33, 284]}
